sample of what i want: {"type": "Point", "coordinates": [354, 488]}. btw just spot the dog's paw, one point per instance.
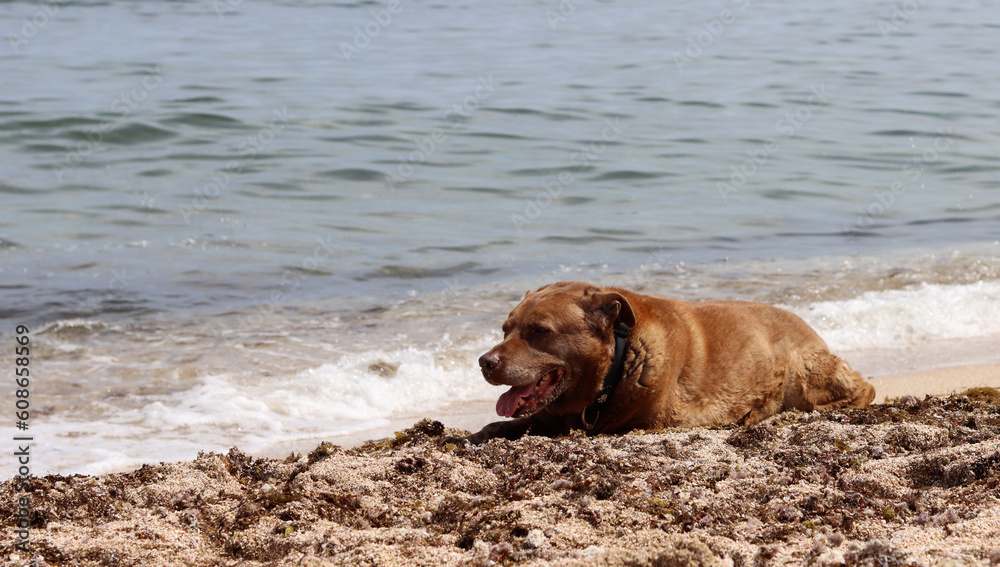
{"type": "Point", "coordinates": [479, 438]}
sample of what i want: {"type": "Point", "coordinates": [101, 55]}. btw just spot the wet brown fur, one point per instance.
{"type": "Point", "coordinates": [686, 363]}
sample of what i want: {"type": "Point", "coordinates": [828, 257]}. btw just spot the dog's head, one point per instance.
{"type": "Point", "coordinates": [558, 345]}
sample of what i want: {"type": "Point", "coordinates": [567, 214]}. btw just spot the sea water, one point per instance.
{"type": "Point", "coordinates": [262, 223]}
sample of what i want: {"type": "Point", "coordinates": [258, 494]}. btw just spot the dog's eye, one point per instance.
{"type": "Point", "coordinates": [540, 331]}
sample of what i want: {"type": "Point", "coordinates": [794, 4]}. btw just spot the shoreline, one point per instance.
{"type": "Point", "coordinates": [934, 381]}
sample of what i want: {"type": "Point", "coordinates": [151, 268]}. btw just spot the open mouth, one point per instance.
{"type": "Point", "coordinates": [526, 400]}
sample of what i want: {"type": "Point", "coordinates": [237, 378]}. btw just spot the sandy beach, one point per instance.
{"type": "Point", "coordinates": [251, 254]}
{"type": "Point", "coordinates": [912, 481]}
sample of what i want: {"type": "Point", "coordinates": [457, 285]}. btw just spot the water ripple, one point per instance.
{"type": "Point", "coordinates": [204, 119]}
{"type": "Point", "coordinates": [354, 174]}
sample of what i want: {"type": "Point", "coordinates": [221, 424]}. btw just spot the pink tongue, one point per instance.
{"type": "Point", "coordinates": [507, 404]}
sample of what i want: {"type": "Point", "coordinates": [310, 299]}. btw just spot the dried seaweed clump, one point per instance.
{"type": "Point", "coordinates": [912, 482]}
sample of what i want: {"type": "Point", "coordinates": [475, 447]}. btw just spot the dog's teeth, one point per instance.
{"type": "Point", "coordinates": [520, 403]}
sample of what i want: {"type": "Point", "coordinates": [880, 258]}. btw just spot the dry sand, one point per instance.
{"type": "Point", "coordinates": [938, 382]}
{"type": "Point", "coordinates": [915, 481]}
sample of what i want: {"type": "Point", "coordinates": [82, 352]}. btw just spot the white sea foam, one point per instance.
{"type": "Point", "coordinates": [905, 317]}
{"type": "Point", "coordinates": [331, 400]}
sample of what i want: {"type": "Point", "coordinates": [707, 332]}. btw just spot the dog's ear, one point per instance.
{"type": "Point", "coordinates": [607, 307]}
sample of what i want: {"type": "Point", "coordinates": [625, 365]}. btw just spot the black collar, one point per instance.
{"type": "Point", "coordinates": [611, 379]}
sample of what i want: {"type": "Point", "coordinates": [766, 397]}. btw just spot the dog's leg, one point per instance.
{"type": "Point", "coordinates": [541, 423]}
{"type": "Point", "coordinates": [765, 406]}
{"type": "Point", "coordinates": [824, 381]}
{"type": "Point", "coordinates": [513, 429]}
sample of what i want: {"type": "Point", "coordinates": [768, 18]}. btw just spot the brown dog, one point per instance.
{"type": "Point", "coordinates": [677, 364]}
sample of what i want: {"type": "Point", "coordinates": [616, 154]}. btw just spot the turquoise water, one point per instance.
{"type": "Point", "coordinates": [198, 194]}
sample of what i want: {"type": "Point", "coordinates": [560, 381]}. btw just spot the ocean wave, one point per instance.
{"type": "Point", "coordinates": [903, 317]}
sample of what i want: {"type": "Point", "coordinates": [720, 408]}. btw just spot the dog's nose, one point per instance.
{"type": "Point", "coordinates": [489, 362]}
